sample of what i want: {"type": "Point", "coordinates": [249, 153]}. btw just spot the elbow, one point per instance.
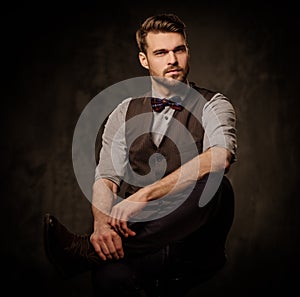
{"type": "Point", "coordinates": [221, 159]}
{"type": "Point", "coordinates": [227, 165]}
{"type": "Point", "coordinates": [222, 166]}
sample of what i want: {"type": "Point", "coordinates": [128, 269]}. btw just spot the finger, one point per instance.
{"type": "Point", "coordinates": [117, 227]}
{"type": "Point", "coordinates": [105, 250]}
{"type": "Point", "coordinates": [112, 223]}
{"type": "Point", "coordinates": [119, 222]}
{"type": "Point", "coordinates": [121, 232]}
{"type": "Point", "coordinates": [98, 250]}
{"type": "Point", "coordinates": [115, 246]}
{"type": "Point", "coordinates": [119, 246]}
{"type": "Point", "coordinates": [115, 219]}
{"type": "Point", "coordinates": [102, 255]}
{"type": "Point", "coordinates": [125, 229]}
{"type": "Point", "coordinates": [111, 246]}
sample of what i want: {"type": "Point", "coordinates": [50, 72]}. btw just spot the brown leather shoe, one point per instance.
{"type": "Point", "coordinates": [70, 253]}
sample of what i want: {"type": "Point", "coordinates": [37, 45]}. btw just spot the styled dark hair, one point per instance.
{"type": "Point", "coordinates": [166, 22]}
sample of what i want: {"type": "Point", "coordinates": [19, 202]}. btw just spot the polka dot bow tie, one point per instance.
{"type": "Point", "coordinates": [159, 104]}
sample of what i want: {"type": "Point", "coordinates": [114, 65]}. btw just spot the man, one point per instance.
{"type": "Point", "coordinates": [165, 157]}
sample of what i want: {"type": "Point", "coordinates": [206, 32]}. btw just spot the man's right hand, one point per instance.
{"type": "Point", "coordinates": [107, 243]}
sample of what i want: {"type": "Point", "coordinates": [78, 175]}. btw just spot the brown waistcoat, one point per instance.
{"type": "Point", "coordinates": [183, 140]}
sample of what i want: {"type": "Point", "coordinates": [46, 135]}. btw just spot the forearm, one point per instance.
{"type": "Point", "coordinates": [214, 159]}
{"type": "Point", "coordinates": [107, 243]}
{"type": "Point", "coordinates": [104, 195]}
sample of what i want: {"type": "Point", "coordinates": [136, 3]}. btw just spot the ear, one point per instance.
{"type": "Point", "coordinates": [143, 60]}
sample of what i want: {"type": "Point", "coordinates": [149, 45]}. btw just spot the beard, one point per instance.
{"type": "Point", "coordinates": [166, 82]}
{"type": "Point", "coordinates": [169, 86]}
{"type": "Point", "coordinates": [171, 79]}
{"type": "Point", "coordinates": [172, 82]}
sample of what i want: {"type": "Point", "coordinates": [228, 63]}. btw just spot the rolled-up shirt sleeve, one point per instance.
{"type": "Point", "coordinates": [113, 154]}
{"type": "Point", "coordinates": [219, 123]}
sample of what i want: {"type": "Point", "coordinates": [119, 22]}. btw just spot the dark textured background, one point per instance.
{"type": "Point", "coordinates": [56, 58]}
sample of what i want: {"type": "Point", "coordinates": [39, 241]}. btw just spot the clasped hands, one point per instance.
{"type": "Point", "coordinates": [107, 235]}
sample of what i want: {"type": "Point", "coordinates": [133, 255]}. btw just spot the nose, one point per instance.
{"type": "Point", "coordinates": [172, 58]}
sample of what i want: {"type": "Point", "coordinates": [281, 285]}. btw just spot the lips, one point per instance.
{"type": "Point", "coordinates": [173, 70]}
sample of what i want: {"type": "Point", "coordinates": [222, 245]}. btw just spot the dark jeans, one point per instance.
{"type": "Point", "coordinates": [189, 239]}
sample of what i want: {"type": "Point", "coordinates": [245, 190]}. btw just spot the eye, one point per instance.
{"type": "Point", "coordinates": [160, 53]}
{"type": "Point", "coordinates": [181, 49]}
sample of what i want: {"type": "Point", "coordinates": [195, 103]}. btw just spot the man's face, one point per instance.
{"type": "Point", "coordinates": [167, 56]}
